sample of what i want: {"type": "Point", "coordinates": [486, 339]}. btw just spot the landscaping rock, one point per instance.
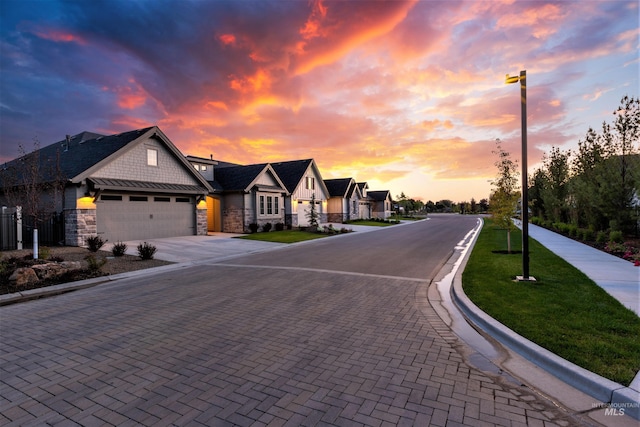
{"type": "Point", "coordinates": [23, 276]}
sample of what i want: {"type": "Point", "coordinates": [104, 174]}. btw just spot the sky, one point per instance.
{"type": "Point", "coordinates": [409, 96]}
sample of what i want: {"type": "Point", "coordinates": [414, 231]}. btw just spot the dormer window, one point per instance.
{"type": "Point", "coordinates": [152, 157]}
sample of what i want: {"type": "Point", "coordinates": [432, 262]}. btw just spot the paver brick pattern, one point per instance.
{"type": "Point", "coordinates": [249, 347]}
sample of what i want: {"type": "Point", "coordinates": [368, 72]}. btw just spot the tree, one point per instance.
{"type": "Point", "coordinates": [312, 213]}
{"type": "Point", "coordinates": [555, 191]}
{"type": "Point", "coordinates": [35, 183]}
{"type": "Point", "coordinates": [504, 198]}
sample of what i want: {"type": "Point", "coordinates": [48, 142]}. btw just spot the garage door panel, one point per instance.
{"type": "Point", "coordinates": [128, 219]}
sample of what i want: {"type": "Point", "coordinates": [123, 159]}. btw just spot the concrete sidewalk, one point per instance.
{"type": "Point", "coordinates": [620, 278]}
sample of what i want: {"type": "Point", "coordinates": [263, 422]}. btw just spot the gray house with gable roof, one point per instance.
{"type": "Point", "coordinates": [130, 186]}
{"type": "Point", "coordinates": [243, 195]}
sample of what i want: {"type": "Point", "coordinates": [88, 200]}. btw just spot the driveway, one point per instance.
{"type": "Point", "coordinates": [214, 246]}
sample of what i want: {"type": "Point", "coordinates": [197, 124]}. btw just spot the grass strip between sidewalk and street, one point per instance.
{"type": "Point", "coordinates": [284, 236]}
{"type": "Point", "coordinates": [563, 311]}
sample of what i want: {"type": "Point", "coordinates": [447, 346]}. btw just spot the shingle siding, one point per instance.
{"type": "Point", "coordinates": [133, 166]}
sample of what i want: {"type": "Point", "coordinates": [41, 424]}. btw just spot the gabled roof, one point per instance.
{"type": "Point", "coordinates": [242, 178]}
{"type": "Point", "coordinates": [339, 187]}
{"type": "Point", "coordinates": [379, 195]}
{"type": "Point", "coordinates": [75, 158]}
{"type": "Point", "coordinates": [237, 178]}
{"type": "Point", "coordinates": [292, 172]}
{"type": "Point", "coordinates": [76, 155]}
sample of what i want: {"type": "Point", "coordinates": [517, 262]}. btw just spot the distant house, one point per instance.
{"type": "Point", "coordinates": [130, 186]}
{"type": "Point", "coordinates": [304, 183]}
{"type": "Point", "coordinates": [345, 200]}
{"type": "Point", "coordinates": [242, 195]}
{"type": "Point", "coordinates": [381, 203]}
{"type": "Point", "coordinates": [365, 203]}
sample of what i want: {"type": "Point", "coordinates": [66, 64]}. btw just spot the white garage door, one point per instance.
{"type": "Point", "coordinates": [140, 217]}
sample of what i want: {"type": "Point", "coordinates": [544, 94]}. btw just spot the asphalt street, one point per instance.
{"type": "Point", "coordinates": [336, 331]}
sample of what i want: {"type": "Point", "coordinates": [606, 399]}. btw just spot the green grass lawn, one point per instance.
{"type": "Point", "coordinates": [564, 311]}
{"type": "Point", "coordinates": [284, 236]}
{"type": "Point", "coordinates": [369, 222]}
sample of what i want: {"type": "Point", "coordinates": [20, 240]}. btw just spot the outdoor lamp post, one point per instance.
{"type": "Point", "coordinates": [524, 206]}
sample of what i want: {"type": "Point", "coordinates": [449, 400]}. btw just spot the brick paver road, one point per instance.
{"type": "Point", "coordinates": [249, 345]}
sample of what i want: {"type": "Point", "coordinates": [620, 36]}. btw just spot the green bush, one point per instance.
{"type": "Point", "coordinates": [119, 249]}
{"type": "Point", "coordinates": [587, 234]}
{"type": "Point", "coordinates": [266, 227]}
{"type": "Point", "coordinates": [146, 250]}
{"type": "Point", "coordinates": [95, 243]}
{"type": "Point", "coordinates": [253, 227]}
{"type": "Point", "coordinates": [279, 226]}
{"type": "Point", "coordinates": [616, 237]}
{"type": "Point", "coordinates": [601, 237]}
{"type": "Point", "coordinates": [94, 263]}
{"type": "Point", "coordinates": [44, 252]}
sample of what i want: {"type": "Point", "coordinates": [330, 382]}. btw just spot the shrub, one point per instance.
{"type": "Point", "coordinates": [95, 243]}
{"type": "Point", "coordinates": [573, 230]}
{"type": "Point", "coordinates": [44, 252]}
{"type": "Point", "coordinates": [266, 227]}
{"type": "Point", "coordinates": [279, 226]}
{"type": "Point", "coordinates": [587, 234]}
{"type": "Point", "coordinates": [253, 227]}
{"type": "Point", "coordinates": [94, 263]}
{"type": "Point", "coordinates": [119, 249]}
{"type": "Point", "coordinates": [616, 237]}
{"type": "Point", "coordinates": [146, 250]}
{"type": "Point", "coordinates": [601, 237]}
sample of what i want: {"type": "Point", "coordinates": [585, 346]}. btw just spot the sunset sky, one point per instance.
{"type": "Point", "coordinates": [408, 96]}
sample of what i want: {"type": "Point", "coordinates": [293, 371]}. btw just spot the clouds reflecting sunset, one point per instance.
{"type": "Point", "coordinates": [409, 96]}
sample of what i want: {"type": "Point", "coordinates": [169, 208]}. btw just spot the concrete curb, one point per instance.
{"type": "Point", "coordinates": [605, 390]}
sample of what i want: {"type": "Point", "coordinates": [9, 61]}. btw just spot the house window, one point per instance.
{"type": "Point", "coordinates": [203, 167]}
{"type": "Point", "coordinates": [261, 205]}
{"type": "Point", "coordinates": [152, 157]}
{"type": "Point", "coordinates": [183, 199]}
{"type": "Point", "coordinates": [138, 198]}
{"type": "Point", "coordinates": [161, 199]}
{"type": "Point", "coordinates": [110, 197]}
{"type": "Point", "coordinates": [276, 205]}
{"type": "Point", "coordinates": [269, 205]}
{"type": "Point", "coordinates": [310, 183]}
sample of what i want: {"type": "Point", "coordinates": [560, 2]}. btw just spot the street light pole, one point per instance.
{"type": "Point", "coordinates": [524, 206]}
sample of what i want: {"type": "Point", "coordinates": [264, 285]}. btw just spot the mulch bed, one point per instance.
{"type": "Point", "coordinates": [10, 260]}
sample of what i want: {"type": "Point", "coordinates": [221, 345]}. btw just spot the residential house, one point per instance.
{"type": "Point", "coordinates": [134, 185]}
{"type": "Point", "coordinates": [365, 202]}
{"type": "Point", "coordinates": [344, 200]}
{"type": "Point", "coordinates": [381, 203]}
{"type": "Point", "coordinates": [304, 183]}
{"type": "Point", "coordinates": [242, 195]}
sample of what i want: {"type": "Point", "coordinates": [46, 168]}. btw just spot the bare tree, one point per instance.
{"type": "Point", "coordinates": [35, 183]}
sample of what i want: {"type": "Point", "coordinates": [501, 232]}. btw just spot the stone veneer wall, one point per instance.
{"type": "Point", "coordinates": [336, 217]}
{"type": "Point", "coordinates": [201, 222]}
{"type": "Point", "coordinates": [78, 225]}
{"type": "Point", "coordinates": [232, 221]}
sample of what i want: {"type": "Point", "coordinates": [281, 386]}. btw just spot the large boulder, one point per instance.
{"type": "Point", "coordinates": [23, 276]}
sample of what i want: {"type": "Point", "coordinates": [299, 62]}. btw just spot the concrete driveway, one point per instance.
{"type": "Point", "coordinates": [214, 246]}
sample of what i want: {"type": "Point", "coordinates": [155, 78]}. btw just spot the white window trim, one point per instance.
{"type": "Point", "coordinates": [152, 157]}
{"type": "Point", "coordinates": [266, 201]}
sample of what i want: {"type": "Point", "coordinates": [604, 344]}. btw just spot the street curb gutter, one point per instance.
{"type": "Point", "coordinates": [603, 389]}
